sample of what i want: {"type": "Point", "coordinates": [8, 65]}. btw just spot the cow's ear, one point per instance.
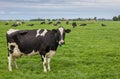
{"type": "Point", "coordinates": [67, 30]}
{"type": "Point", "coordinates": [54, 30]}
{"type": "Point", "coordinates": [22, 32]}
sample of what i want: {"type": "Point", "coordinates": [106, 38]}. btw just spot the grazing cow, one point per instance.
{"type": "Point", "coordinates": [103, 25]}
{"type": "Point", "coordinates": [14, 25]}
{"type": "Point", "coordinates": [6, 23]}
{"type": "Point", "coordinates": [54, 24]}
{"type": "Point", "coordinates": [42, 23]}
{"type": "Point", "coordinates": [67, 22]}
{"type": "Point", "coordinates": [83, 24]}
{"type": "Point", "coordinates": [23, 22]}
{"type": "Point", "coordinates": [18, 23]}
{"type": "Point", "coordinates": [30, 42]}
{"type": "Point", "coordinates": [50, 22]}
{"type": "Point", "coordinates": [58, 22]}
{"type": "Point", "coordinates": [74, 24]}
{"type": "Point", "coordinates": [30, 24]}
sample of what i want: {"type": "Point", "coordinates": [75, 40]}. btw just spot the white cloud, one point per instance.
{"type": "Point", "coordinates": [14, 12]}
{"type": "Point", "coordinates": [65, 7]}
{"type": "Point", "coordinates": [2, 12]}
{"type": "Point", "coordinates": [60, 3]}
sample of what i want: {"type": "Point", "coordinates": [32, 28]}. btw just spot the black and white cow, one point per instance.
{"type": "Point", "coordinates": [74, 24]}
{"type": "Point", "coordinates": [30, 42]}
{"type": "Point", "coordinates": [103, 25]}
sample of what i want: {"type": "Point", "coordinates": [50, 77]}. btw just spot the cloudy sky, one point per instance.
{"type": "Point", "coordinates": [29, 9]}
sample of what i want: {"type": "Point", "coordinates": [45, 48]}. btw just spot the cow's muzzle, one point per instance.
{"type": "Point", "coordinates": [61, 42]}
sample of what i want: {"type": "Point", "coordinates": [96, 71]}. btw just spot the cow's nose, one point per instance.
{"type": "Point", "coordinates": [62, 42]}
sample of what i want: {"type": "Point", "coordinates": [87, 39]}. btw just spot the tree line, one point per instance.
{"type": "Point", "coordinates": [75, 19]}
{"type": "Point", "coordinates": [116, 18]}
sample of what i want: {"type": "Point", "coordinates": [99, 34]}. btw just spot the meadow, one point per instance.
{"type": "Point", "coordinates": [90, 52]}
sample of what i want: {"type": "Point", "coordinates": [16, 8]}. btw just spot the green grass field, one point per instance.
{"type": "Point", "coordinates": [91, 52]}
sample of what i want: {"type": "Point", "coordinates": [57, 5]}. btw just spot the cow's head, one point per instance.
{"type": "Point", "coordinates": [60, 34]}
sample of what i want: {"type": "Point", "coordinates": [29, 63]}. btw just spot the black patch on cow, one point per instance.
{"type": "Point", "coordinates": [41, 31]}
{"type": "Point", "coordinates": [12, 47]}
{"type": "Point", "coordinates": [11, 51]}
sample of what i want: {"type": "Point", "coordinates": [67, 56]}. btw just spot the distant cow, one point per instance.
{"type": "Point", "coordinates": [54, 24]}
{"type": "Point", "coordinates": [30, 24]}
{"type": "Point", "coordinates": [67, 22]}
{"type": "Point", "coordinates": [6, 23]}
{"type": "Point", "coordinates": [83, 24]}
{"type": "Point", "coordinates": [58, 22]}
{"type": "Point", "coordinates": [15, 25]}
{"type": "Point", "coordinates": [30, 42]}
{"type": "Point", "coordinates": [42, 23]}
{"type": "Point", "coordinates": [23, 22]}
{"type": "Point", "coordinates": [18, 23]}
{"type": "Point", "coordinates": [74, 24]}
{"type": "Point", "coordinates": [103, 24]}
{"type": "Point", "coordinates": [50, 22]}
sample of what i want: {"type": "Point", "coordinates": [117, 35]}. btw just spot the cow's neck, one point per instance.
{"type": "Point", "coordinates": [57, 41]}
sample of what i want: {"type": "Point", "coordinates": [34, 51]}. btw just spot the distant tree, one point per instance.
{"type": "Point", "coordinates": [119, 17]}
{"type": "Point", "coordinates": [48, 19]}
{"type": "Point", "coordinates": [53, 19]}
{"type": "Point", "coordinates": [38, 19]}
{"type": "Point", "coordinates": [63, 19]}
{"type": "Point", "coordinates": [115, 18]}
{"type": "Point", "coordinates": [89, 19]}
{"type": "Point", "coordinates": [79, 19]}
{"type": "Point", "coordinates": [95, 18]}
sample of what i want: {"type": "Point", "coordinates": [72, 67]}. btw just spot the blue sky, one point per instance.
{"type": "Point", "coordinates": [30, 9]}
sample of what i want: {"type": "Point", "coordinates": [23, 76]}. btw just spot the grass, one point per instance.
{"type": "Point", "coordinates": [91, 52]}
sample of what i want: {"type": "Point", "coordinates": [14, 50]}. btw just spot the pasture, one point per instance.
{"type": "Point", "coordinates": [90, 52]}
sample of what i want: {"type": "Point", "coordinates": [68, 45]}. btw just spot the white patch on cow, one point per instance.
{"type": "Point", "coordinates": [48, 62]}
{"type": "Point", "coordinates": [38, 33]}
{"type": "Point", "coordinates": [61, 33]}
{"type": "Point", "coordinates": [9, 62]}
{"type": "Point", "coordinates": [43, 33]}
{"type": "Point", "coordinates": [50, 54]}
{"type": "Point", "coordinates": [33, 53]}
{"type": "Point", "coordinates": [16, 51]}
{"type": "Point", "coordinates": [61, 30]}
{"type": "Point", "coordinates": [44, 63]}
{"type": "Point", "coordinates": [11, 31]}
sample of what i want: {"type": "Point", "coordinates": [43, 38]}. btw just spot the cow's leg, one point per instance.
{"type": "Point", "coordinates": [15, 64]}
{"type": "Point", "coordinates": [48, 62]}
{"type": "Point", "coordinates": [10, 62]}
{"type": "Point", "coordinates": [44, 63]}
